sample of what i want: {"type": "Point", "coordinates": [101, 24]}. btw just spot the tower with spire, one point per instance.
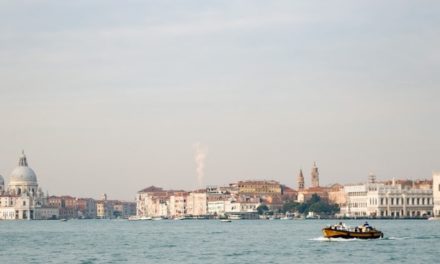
{"type": "Point", "coordinates": [300, 180]}
{"type": "Point", "coordinates": [315, 175]}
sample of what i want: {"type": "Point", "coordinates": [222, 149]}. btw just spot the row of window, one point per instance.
{"type": "Point", "coordinates": [400, 201]}
{"type": "Point", "coordinates": [402, 213]}
{"type": "Point", "coordinates": [357, 205]}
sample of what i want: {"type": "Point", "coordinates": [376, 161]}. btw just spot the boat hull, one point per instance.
{"type": "Point", "coordinates": [332, 233]}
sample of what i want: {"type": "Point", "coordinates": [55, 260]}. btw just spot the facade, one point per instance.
{"type": "Point", "coordinates": [67, 206]}
{"type": "Point", "coordinates": [23, 199]}
{"type": "Point", "coordinates": [336, 195]}
{"type": "Point", "coordinates": [124, 209]}
{"type": "Point", "coordinates": [105, 208]}
{"type": "Point", "coordinates": [259, 187]}
{"type": "Point", "coordinates": [436, 193]}
{"type": "Point", "coordinates": [178, 204]}
{"type": "Point", "coordinates": [86, 208]}
{"type": "Point", "coordinates": [197, 203]}
{"type": "Point", "coordinates": [387, 201]}
{"type": "Point", "coordinates": [157, 202]}
{"type": "Point", "coordinates": [153, 202]}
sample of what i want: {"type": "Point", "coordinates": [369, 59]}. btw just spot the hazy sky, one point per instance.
{"type": "Point", "coordinates": [114, 96]}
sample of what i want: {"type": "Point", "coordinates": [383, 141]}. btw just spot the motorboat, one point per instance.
{"type": "Point", "coordinates": [137, 218]}
{"type": "Point", "coordinates": [234, 217]}
{"type": "Point", "coordinates": [340, 230]}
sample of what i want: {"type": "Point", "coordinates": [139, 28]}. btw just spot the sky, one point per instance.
{"type": "Point", "coordinates": [114, 96]}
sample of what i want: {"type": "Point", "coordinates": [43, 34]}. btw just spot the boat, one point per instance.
{"type": "Point", "coordinates": [63, 220]}
{"type": "Point", "coordinates": [137, 218]}
{"type": "Point", "coordinates": [225, 220]}
{"type": "Point", "coordinates": [287, 217]}
{"type": "Point", "coordinates": [434, 218]}
{"type": "Point", "coordinates": [234, 217]}
{"type": "Point", "coordinates": [361, 232]}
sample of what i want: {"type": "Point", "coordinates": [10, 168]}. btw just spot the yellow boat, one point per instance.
{"type": "Point", "coordinates": [361, 232]}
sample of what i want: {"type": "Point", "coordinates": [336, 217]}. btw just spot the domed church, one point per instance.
{"type": "Point", "coordinates": [22, 199]}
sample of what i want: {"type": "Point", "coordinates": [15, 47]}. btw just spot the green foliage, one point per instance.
{"type": "Point", "coordinates": [262, 209]}
{"type": "Point", "coordinates": [315, 204]}
{"type": "Point", "coordinates": [289, 206]}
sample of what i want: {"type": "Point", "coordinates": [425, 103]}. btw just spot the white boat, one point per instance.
{"type": "Point", "coordinates": [157, 218]}
{"type": "Point", "coordinates": [183, 218]}
{"type": "Point", "coordinates": [234, 217]}
{"type": "Point", "coordinates": [137, 218]}
{"type": "Point", "coordinates": [286, 218]}
{"type": "Point", "coordinates": [225, 220]}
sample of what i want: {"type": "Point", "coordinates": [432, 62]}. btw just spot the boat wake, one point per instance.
{"type": "Point", "coordinates": [396, 238]}
{"type": "Point", "coordinates": [324, 239]}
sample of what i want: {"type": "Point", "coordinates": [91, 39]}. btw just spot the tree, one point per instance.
{"type": "Point", "coordinates": [290, 206]}
{"type": "Point", "coordinates": [262, 209]}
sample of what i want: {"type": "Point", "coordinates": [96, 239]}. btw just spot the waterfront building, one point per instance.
{"type": "Point", "coordinates": [153, 202]}
{"type": "Point", "coordinates": [23, 199]}
{"type": "Point", "coordinates": [379, 199]}
{"type": "Point", "coordinates": [217, 203]}
{"type": "Point", "coordinates": [87, 208]}
{"type": "Point", "coordinates": [259, 187]}
{"type": "Point", "coordinates": [178, 202]}
{"type": "Point", "coordinates": [336, 195]}
{"type": "Point", "coordinates": [123, 209]}
{"type": "Point", "coordinates": [197, 203]}
{"type": "Point", "coordinates": [67, 205]}
{"type": "Point", "coordinates": [436, 193]}
{"type": "Point", "coordinates": [104, 208]}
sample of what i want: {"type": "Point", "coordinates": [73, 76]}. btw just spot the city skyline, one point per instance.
{"type": "Point", "coordinates": [187, 94]}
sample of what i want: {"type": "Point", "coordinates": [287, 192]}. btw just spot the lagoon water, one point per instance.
{"type": "Point", "coordinates": [212, 241]}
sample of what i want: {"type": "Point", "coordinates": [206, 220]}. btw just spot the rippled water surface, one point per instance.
{"type": "Point", "coordinates": [211, 241]}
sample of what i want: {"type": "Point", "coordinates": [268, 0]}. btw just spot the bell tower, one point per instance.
{"type": "Point", "coordinates": [315, 175]}
{"type": "Point", "coordinates": [300, 180]}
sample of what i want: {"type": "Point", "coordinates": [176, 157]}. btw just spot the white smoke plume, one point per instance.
{"type": "Point", "coordinates": [200, 154]}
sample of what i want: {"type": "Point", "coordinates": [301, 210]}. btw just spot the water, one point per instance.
{"type": "Point", "coordinates": [211, 241]}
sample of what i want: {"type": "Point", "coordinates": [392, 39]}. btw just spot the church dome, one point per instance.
{"type": "Point", "coordinates": [22, 174]}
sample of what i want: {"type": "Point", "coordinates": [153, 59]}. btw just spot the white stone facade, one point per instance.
{"type": "Point", "coordinates": [22, 199]}
{"type": "Point", "coordinates": [156, 202]}
{"type": "Point", "coordinates": [388, 201]}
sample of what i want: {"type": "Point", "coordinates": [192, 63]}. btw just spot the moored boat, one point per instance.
{"type": "Point", "coordinates": [342, 231]}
